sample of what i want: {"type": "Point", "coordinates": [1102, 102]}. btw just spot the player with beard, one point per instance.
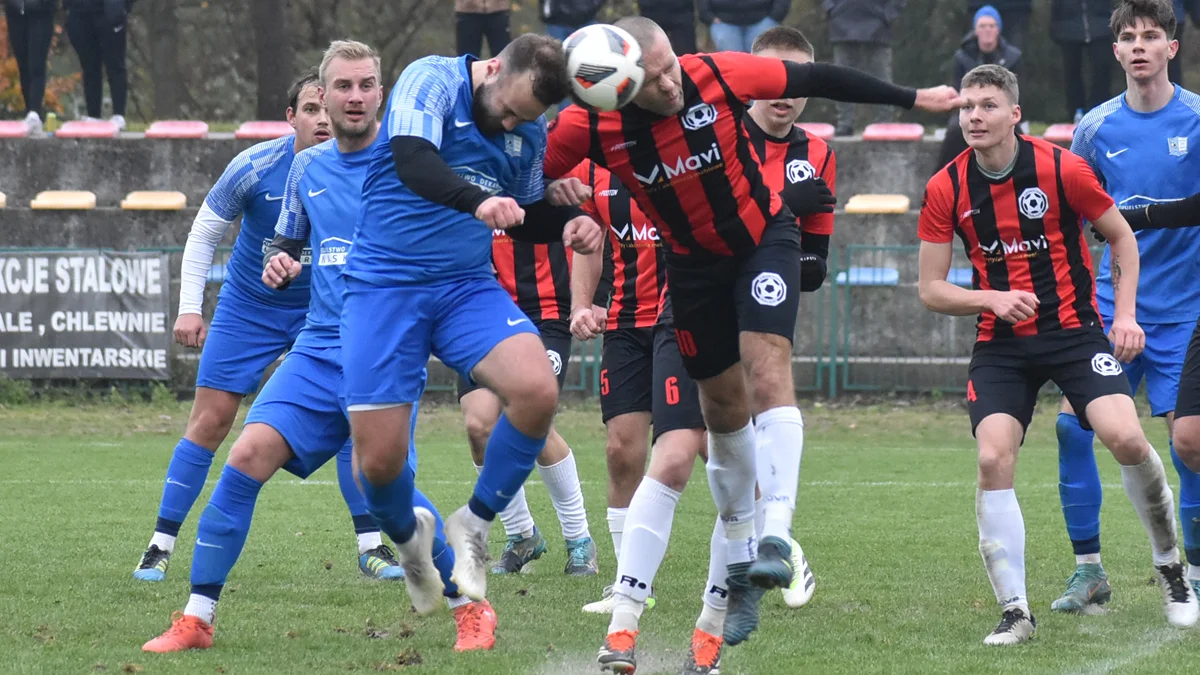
{"type": "Point", "coordinates": [252, 326]}
{"type": "Point", "coordinates": [733, 263]}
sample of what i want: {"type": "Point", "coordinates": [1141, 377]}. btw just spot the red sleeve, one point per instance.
{"type": "Point", "coordinates": [751, 77]}
{"type": "Point", "coordinates": [936, 224]}
{"type": "Point", "coordinates": [822, 223]}
{"type": "Point", "coordinates": [567, 142]}
{"type": "Point", "coordinates": [1084, 194]}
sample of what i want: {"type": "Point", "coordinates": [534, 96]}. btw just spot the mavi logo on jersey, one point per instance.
{"type": "Point", "coordinates": [632, 234]}
{"type": "Point", "coordinates": [700, 162]}
{"type": "Point", "coordinates": [333, 251]}
{"type": "Point", "coordinates": [1027, 248]}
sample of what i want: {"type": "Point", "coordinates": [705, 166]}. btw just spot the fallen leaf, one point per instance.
{"type": "Point", "coordinates": [853, 425]}
{"type": "Point", "coordinates": [328, 564]}
{"type": "Point", "coordinates": [99, 666]}
{"type": "Point", "coordinates": [132, 668]}
{"type": "Point", "coordinates": [299, 534]}
{"type": "Point", "coordinates": [406, 631]}
{"type": "Point", "coordinates": [220, 669]}
{"type": "Point", "coordinates": [165, 417]}
{"type": "Point", "coordinates": [522, 591]}
{"type": "Point", "coordinates": [549, 648]}
{"type": "Point", "coordinates": [291, 635]}
{"type": "Point", "coordinates": [409, 657]}
{"type": "Point", "coordinates": [377, 634]}
{"type": "Point", "coordinates": [339, 629]}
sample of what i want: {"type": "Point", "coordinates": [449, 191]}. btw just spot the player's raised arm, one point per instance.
{"type": "Point", "coordinates": [765, 78]}
{"type": "Point", "coordinates": [1163, 215]}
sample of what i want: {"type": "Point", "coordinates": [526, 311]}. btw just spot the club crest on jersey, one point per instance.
{"type": "Point", "coordinates": [699, 116]}
{"type": "Point", "coordinates": [512, 145]}
{"type": "Point", "coordinates": [333, 251]}
{"type": "Point", "coordinates": [1033, 203]}
{"type": "Point", "coordinates": [1177, 146]}
{"type": "Point", "coordinates": [799, 170]}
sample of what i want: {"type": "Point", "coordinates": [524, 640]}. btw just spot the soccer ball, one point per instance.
{"type": "Point", "coordinates": [605, 65]}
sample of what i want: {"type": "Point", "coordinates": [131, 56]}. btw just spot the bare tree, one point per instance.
{"type": "Point", "coordinates": [273, 48]}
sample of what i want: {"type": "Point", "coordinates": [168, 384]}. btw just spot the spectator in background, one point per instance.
{"type": "Point", "coordinates": [861, 33]}
{"type": "Point", "coordinates": [474, 19]}
{"type": "Point", "coordinates": [983, 45]}
{"type": "Point", "coordinates": [1175, 65]}
{"type": "Point", "coordinates": [734, 24]}
{"type": "Point", "coordinates": [97, 31]}
{"type": "Point", "coordinates": [30, 30]}
{"type": "Point", "coordinates": [1081, 27]}
{"type": "Point", "coordinates": [563, 17]}
{"type": "Point", "coordinates": [677, 19]}
{"type": "Point", "coordinates": [1016, 18]}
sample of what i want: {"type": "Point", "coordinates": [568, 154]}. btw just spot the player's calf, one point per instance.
{"type": "Point", "coordinates": [767, 360]}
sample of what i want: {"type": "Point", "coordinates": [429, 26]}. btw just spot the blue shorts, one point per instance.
{"type": "Point", "coordinates": [388, 334]}
{"type": "Point", "coordinates": [302, 401]}
{"type": "Point", "coordinates": [245, 337]}
{"type": "Point", "coordinates": [1160, 364]}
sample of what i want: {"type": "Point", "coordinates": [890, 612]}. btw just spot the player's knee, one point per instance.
{"type": "Point", "coordinates": [623, 466]}
{"type": "Point", "coordinates": [1127, 444]}
{"type": "Point", "coordinates": [537, 400]}
{"type": "Point", "coordinates": [208, 425]}
{"type": "Point", "coordinates": [259, 453]}
{"type": "Point", "coordinates": [995, 463]}
{"type": "Point", "coordinates": [380, 468]}
{"type": "Point", "coordinates": [1187, 446]}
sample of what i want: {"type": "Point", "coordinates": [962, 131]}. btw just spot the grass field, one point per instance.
{"type": "Point", "coordinates": [886, 517]}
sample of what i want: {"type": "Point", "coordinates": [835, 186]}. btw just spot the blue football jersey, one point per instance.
{"type": "Point", "coordinates": [1142, 158]}
{"type": "Point", "coordinates": [402, 238]}
{"type": "Point", "coordinates": [320, 207]}
{"type": "Point", "coordinates": [252, 186]}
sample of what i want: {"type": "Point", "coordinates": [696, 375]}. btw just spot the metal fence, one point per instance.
{"type": "Point", "coordinates": [864, 331]}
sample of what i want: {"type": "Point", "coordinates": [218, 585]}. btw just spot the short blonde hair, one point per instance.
{"type": "Point", "coordinates": [347, 50]}
{"type": "Point", "coordinates": [992, 75]}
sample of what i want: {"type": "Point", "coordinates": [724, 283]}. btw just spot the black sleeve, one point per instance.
{"type": "Point", "coordinates": [1165, 215]}
{"type": "Point", "coordinates": [423, 171]}
{"type": "Point", "coordinates": [607, 274]}
{"type": "Point", "coordinates": [813, 269]}
{"type": "Point", "coordinates": [544, 222]}
{"type": "Point", "coordinates": [816, 244]}
{"type": "Point", "coordinates": [282, 244]}
{"type": "Point", "coordinates": [838, 83]}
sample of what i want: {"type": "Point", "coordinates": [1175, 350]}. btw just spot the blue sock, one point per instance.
{"type": "Point", "coordinates": [1079, 484]}
{"type": "Point", "coordinates": [443, 555]}
{"type": "Point", "coordinates": [363, 522]}
{"type": "Point", "coordinates": [1189, 508]}
{"type": "Point", "coordinates": [222, 531]}
{"type": "Point", "coordinates": [391, 505]}
{"type": "Point", "coordinates": [185, 479]}
{"type": "Point", "coordinates": [507, 463]}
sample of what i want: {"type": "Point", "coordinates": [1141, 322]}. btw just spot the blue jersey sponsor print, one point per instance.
{"type": "Point", "coordinates": [402, 238]}
{"type": "Point", "coordinates": [320, 207]}
{"type": "Point", "coordinates": [1143, 158]}
{"type": "Point", "coordinates": [252, 187]}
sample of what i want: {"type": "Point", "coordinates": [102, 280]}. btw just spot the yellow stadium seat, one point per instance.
{"type": "Point", "coordinates": [3, 200]}
{"type": "Point", "coordinates": [877, 204]}
{"type": "Point", "coordinates": [70, 200]}
{"type": "Point", "coordinates": [154, 201]}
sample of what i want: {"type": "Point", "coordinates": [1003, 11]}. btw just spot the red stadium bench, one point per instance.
{"type": "Point", "coordinates": [1059, 133]}
{"type": "Point", "coordinates": [819, 129]}
{"type": "Point", "coordinates": [13, 129]}
{"type": "Point", "coordinates": [893, 131]}
{"type": "Point", "coordinates": [263, 130]}
{"type": "Point", "coordinates": [88, 129]}
{"type": "Point", "coordinates": [177, 129]}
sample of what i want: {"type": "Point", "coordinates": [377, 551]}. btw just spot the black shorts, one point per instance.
{"type": "Point", "coordinates": [556, 335]}
{"type": "Point", "coordinates": [676, 397]}
{"type": "Point", "coordinates": [1006, 374]}
{"type": "Point", "coordinates": [717, 298]}
{"type": "Point", "coordinates": [1187, 404]}
{"type": "Point", "coordinates": [626, 372]}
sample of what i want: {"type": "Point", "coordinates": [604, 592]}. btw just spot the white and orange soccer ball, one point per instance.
{"type": "Point", "coordinates": [605, 65]}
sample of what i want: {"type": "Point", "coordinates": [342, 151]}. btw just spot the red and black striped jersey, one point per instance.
{"type": "Point", "coordinates": [794, 159]}
{"type": "Point", "coordinates": [633, 264]}
{"type": "Point", "coordinates": [537, 276]}
{"type": "Point", "coordinates": [694, 174]}
{"type": "Point", "coordinates": [1023, 232]}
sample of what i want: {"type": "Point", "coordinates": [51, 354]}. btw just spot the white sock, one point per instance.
{"type": "Point", "coordinates": [651, 514]}
{"type": "Point", "coordinates": [516, 518]}
{"type": "Point", "coordinates": [201, 606]}
{"type": "Point", "coordinates": [368, 541]}
{"type": "Point", "coordinates": [562, 482]}
{"type": "Point", "coordinates": [1194, 572]}
{"type": "Point", "coordinates": [627, 612]}
{"type": "Point", "coordinates": [779, 433]}
{"type": "Point", "coordinates": [1002, 544]}
{"type": "Point", "coordinates": [731, 479]}
{"type": "Point", "coordinates": [716, 595]}
{"type": "Point", "coordinates": [1146, 485]}
{"type": "Point", "coordinates": [164, 541]}
{"type": "Point", "coordinates": [1088, 559]}
{"type": "Point", "coordinates": [460, 601]}
{"type": "Point", "coordinates": [711, 621]}
{"type": "Point", "coordinates": [616, 526]}
{"type": "Point", "coordinates": [760, 515]}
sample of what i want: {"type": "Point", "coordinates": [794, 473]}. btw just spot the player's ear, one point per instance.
{"type": "Point", "coordinates": [1016, 113]}
{"type": "Point", "coordinates": [290, 116]}
{"type": "Point", "coordinates": [1172, 49]}
{"type": "Point", "coordinates": [321, 95]}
